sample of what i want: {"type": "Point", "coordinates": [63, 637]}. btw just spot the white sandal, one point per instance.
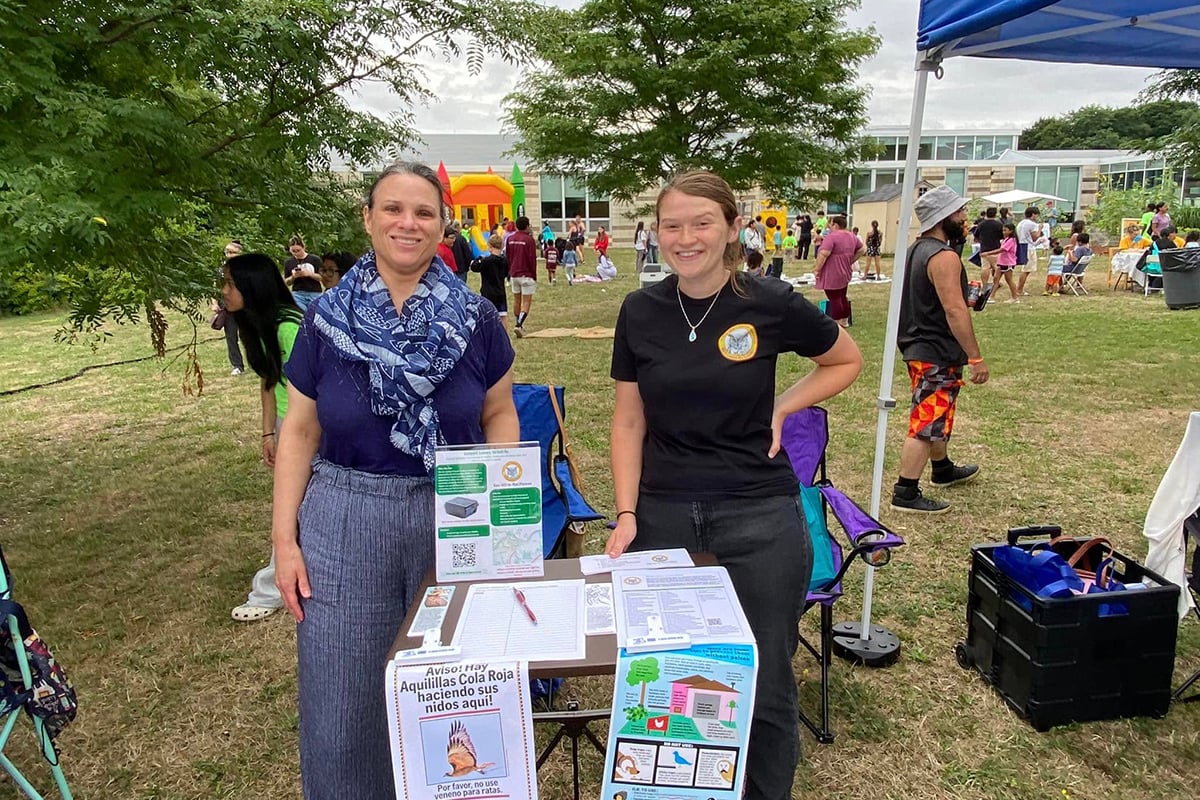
{"type": "Point", "coordinates": [249, 613]}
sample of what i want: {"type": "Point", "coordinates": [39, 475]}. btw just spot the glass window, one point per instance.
{"type": "Point", "coordinates": [983, 147]}
{"type": "Point", "coordinates": [956, 179]}
{"type": "Point", "coordinates": [551, 187]}
{"type": "Point", "coordinates": [901, 149]}
{"type": "Point", "coordinates": [1153, 178]}
{"type": "Point", "coordinates": [1046, 181]}
{"type": "Point", "coordinates": [552, 209]}
{"type": "Point", "coordinates": [1191, 183]}
{"type": "Point", "coordinates": [944, 148]}
{"type": "Point", "coordinates": [1025, 178]}
{"type": "Point", "coordinates": [1002, 143]}
{"type": "Point", "coordinates": [962, 148]}
{"type": "Point", "coordinates": [860, 183]}
{"type": "Point", "coordinates": [925, 151]}
{"type": "Point", "coordinates": [889, 149]}
{"type": "Point", "coordinates": [886, 177]}
{"type": "Point", "coordinates": [1068, 187]}
{"type": "Point", "coordinates": [597, 208]}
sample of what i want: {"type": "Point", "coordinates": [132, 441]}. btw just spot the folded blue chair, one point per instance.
{"type": "Point", "coordinates": [805, 437]}
{"type": "Point", "coordinates": [540, 410]}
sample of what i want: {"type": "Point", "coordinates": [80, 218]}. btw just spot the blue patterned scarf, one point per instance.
{"type": "Point", "coordinates": [410, 354]}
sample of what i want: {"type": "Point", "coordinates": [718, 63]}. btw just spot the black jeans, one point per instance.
{"type": "Point", "coordinates": [802, 250]}
{"type": "Point", "coordinates": [763, 542]}
{"type": "Point", "coordinates": [231, 343]}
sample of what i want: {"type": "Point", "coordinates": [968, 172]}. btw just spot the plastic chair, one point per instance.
{"type": "Point", "coordinates": [1072, 277]}
{"type": "Point", "coordinates": [541, 415]}
{"type": "Point", "coordinates": [12, 707]}
{"type": "Point", "coordinates": [805, 437]}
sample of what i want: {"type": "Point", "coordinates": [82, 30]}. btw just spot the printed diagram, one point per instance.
{"type": "Point", "coordinates": [696, 707]}
{"type": "Point", "coordinates": [512, 546]}
{"type": "Point", "coordinates": [680, 764]}
{"type": "Point", "coordinates": [473, 746]}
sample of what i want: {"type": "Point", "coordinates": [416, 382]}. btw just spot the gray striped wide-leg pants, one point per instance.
{"type": "Point", "coordinates": [367, 541]}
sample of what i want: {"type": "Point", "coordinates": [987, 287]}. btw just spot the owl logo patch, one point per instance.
{"type": "Point", "coordinates": [739, 343]}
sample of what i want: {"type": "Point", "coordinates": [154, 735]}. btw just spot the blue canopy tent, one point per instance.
{"type": "Point", "coordinates": [1162, 34]}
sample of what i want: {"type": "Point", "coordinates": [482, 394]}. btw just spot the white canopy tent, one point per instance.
{"type": "Point", "coordinates": [1138, 33]}
{"type": "Point", "coordinates": [1019, 196]}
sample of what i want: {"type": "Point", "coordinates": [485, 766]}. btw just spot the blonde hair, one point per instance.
{"type": "Point", "coordinates": [495, 242]}
{"type": "Point", "coordinates": [710, 186]}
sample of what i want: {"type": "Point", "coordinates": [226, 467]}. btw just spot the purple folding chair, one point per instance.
{"type": "Point", "coordinates": [805, 436]}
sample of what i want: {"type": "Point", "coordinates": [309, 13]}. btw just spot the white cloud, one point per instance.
{"type": "Point", "coordinates": [974, 92]}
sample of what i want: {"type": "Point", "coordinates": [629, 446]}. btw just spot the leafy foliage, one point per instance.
{"type": "Point", "coordinates": [1141, 126]}
{"type": "Point", "coordinates": [135, 138]}
{"type": "Point", "coordinates": [1179, 87]}
{"type": "Point", "coordinates": [1113, 205]}
{"type": "Point", "coordinates": [631, 91]}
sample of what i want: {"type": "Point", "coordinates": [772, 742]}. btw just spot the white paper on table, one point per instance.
{"type": "Point", "coordinates": [646, 559]}
{"type": "Point", "coordinates": [697, 601]}
{"type": "Point", "coordinates": [431, 610]}
{"type": "Point", "coordinates": [494, 626]}
{"type": "Point", "coordinates": [479, 714]}
{"type": "Point", "coordinates": [598, 609]}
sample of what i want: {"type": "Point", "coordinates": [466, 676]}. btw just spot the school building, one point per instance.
{"type": "Point", "coordinates": [972, 162]}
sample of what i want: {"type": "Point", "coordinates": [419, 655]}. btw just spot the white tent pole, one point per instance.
{"type": "Point", "coordinates": [885, 401]}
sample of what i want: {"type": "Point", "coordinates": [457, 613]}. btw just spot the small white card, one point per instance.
{"type": "Point", "coordinates": [643, 560]}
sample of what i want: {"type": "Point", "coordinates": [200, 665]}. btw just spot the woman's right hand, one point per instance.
{"type": "Point", "coordinates": [622, 536]}
{"type": "Point", "coordinates": [292, 578]}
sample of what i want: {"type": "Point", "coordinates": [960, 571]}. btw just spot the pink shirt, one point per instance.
{"type": "Point", "coordinates": [841, 247]}
{"type": "Point", "coordinates": [1008, 253]}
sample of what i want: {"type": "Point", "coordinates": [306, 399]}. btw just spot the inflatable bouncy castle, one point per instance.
{"type": "Point", "coordinates": [481, 200]}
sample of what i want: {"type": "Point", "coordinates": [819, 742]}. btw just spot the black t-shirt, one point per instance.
{"type": "Point", "coordinates": [924, 333]}
{"type": "Point", "coordinates": [305, 284]}
{"type": "Point", "coordinates": [708, 403]}
{"type": "Point", "coordinates": [492, 269]}
{"type": "Point", "coordinates": [989, 232]}
{"type": "Point", "coordinates": [806, 229]}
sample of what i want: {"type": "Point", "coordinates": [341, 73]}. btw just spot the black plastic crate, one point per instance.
{"type": "Point", "coordinates": [1072, 659]}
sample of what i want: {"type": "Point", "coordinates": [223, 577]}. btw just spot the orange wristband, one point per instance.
{"type": "Point", "coordinates": [974, 361]}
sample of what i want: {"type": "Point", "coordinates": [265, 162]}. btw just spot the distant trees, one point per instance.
{"type": "Point", "coordinates": [1144, 125]}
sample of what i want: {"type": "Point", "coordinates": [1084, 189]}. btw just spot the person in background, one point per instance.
{"type": "Point", "coordinates": [550, 254]}
{"type": "Point", "coordinates": [237, 365]}
{"type": "Point", "coordinates": [1076, 254]}
{"type": "Point", "coordinates": [1161, 219]}
{"type": "Point", "coordinates": [268, 318]}
{"type": "Point", "coordinates": [1028, 236]}
{"type": "Point", "coordinates": [1051, 217]}
{"type": "Point", "coordinates": [493, 272]}
{"type": "Point", "coordinates": [821, 222]}
{"type": "Point", "coordinates": [754, 262]}
{"type": "Point", "coordinates": [579, 237]}
{"type": "Point", "coordinates": [462, 250]}
{"type": "Point", "coordinates": [652, 243]}
{"type": "Point", "coordinates": [937, 341]}
{"type": "Point", "coordinates": [805, 227]}
{"type": "Point", "coordinates": [990, 233]}
{"type": "Point", "coordinates": [818, 237]}
{"type": "Point", "coordinates": [401, 358]}
{"type": "Point", "coordinates": [300, 273]}
{"type": "Point", "coordinates": [776, 269]}
{"type": "Point", "coordinates": [570, 262]}
{"type": "Point", "coordinates": [696, 459]}
{"type": "Point", "coordinates": [874, 246]}
{"type": "Point", "coordinates": [751, 240]}
{"type": "Point", "coordinates": [791, 243]}
{"type": "Point", "coordinates": [640, 237]}
{"type": "Point", "coordinates": [334, 267]}
{"type": "Point", "coordinates": [1006, 262]}
{"type": "Point", "coordinates": [602, 241]}
{"type": "Point", "coordinates": [1006, 217]}
{"type": "Point", "coordinates": [547, 234]}
{"type": "Point", "coordinates": [1148, 218]}
{"type": "Point", "coordinates": [521, 252]}
{"type": "Point", "coordinates": [839, 250]}
{"type": "Point", "coordinates": [1054, 271]}
{"type": "Point", "coordinates": [445, 248]}
{"type": "Point", "coordinates": [1192, 239]}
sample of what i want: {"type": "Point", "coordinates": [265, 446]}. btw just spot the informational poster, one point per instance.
{"type": "Point", "coordinates": [461, 730]}
{"type": "Point", "coordinates": [698, 602]}
{"type": "Point", "coordinates": [681, 723]}
{"type": "Point", "coordinates": [488, 512]}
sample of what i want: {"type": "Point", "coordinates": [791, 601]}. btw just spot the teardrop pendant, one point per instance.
{"type": "Point", "coordinates": [692, 335]}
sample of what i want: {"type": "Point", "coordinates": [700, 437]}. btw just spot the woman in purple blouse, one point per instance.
{"type": "Point", "coordinates": [398, 358]}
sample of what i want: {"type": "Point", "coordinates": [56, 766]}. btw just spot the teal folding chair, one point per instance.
{"type": "Point", "coordinates": [13, 702]}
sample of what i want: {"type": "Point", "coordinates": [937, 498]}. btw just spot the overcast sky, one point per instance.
{"type": "Point", "coordinates": [974, 93]}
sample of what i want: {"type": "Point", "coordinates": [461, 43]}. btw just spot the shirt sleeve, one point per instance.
{"type": "Point", "coordinates": [498, 350]}
{"type": "Point", "coordinates": [302, 365]}
{"type": "Point", "coordinates": [806, 331]}
{"type": "Point", "coordinates": [624, 368]}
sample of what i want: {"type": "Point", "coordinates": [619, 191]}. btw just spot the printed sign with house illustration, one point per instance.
{"type": "Point", "coordinates": [681, 723]}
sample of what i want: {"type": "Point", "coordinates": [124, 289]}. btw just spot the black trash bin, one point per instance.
{"type": "Point", "coordinates": [1181, 277]}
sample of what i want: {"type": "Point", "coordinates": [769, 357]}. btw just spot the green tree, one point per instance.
{"type": "Point", "coordinates": [1179, 87]}
{"type": "Point", "coordinates": [135, 137]}
{"type": "Point", "coordinates": [732, 706]}
{"type": "Point", "coordinates": [631, 91]}
{"type": "Point", "coordinates": [1113, 205]}
{"type": "Point", "coordinates": [1144, 125]}
{"type": "Point", "coordinates": [643, 671]}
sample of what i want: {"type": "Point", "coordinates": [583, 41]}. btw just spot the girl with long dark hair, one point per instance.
{"type": "Point", "coordinates": [268, 320]}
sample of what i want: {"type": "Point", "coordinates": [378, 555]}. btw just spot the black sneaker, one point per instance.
{"type": "Point", "coordinates": [912, 500]}
{"type": "Point", "coordinates": [520, 331]}
{"type": "Point", "coordinates": [958, 473]}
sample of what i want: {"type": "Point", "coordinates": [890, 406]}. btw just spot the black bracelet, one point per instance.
{"type": "Point", "coordinates": [619, 513]}
{"type": "Point", "coordinates": [265, 435]}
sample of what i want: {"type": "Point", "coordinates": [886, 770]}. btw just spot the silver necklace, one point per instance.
{"type": "Point", "coordinates": [692, 334]}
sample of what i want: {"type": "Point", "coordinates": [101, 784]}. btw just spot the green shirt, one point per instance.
{"type": "Point", "coordinates": [287, 337]}
{"type": "Point", "coordinates": [820, 223]}
{"type": "Point", "coordinates": [790, 242]}
{"type": "Point", "coordinates": [1147, 218]}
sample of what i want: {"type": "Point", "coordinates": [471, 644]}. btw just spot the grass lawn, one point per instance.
{"type": "Point", "coordinates": [134, 516]}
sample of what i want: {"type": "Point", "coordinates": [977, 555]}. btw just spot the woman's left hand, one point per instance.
{"type": "Point", "coordinates": [777, 419]}
{"type": "Point", "coordinates": [268, 451]}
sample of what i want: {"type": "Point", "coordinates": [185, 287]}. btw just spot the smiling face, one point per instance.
{"type": "Point", "coordinates": [693, 235]}
{"type": "Point", "coordinates": [329, 273]}
{"type": "Point", "coordinates": [404, 223]}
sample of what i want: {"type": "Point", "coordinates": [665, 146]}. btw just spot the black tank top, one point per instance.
{"type": "Point", "coordinates": [924, 334]}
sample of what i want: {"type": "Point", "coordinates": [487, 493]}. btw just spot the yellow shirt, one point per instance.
{"type": "Point", "coordinates": [1127, 242]}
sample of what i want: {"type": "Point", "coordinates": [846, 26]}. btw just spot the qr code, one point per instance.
{"type": "Point", "coordinates": [463, 555]}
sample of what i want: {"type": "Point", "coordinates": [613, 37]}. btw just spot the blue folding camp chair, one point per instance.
{"type": "Point", "coordinates": [805, 437]}
{"type": "Point", "coordinates": [14, 699]}
{"type": "Point", "coordinates": [540, 411]}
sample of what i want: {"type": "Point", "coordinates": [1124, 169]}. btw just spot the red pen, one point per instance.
{"type": "Point", "coordinates": [521, 599]}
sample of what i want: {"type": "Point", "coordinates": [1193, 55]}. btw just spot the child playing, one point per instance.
{"type": "Point", "coordinates": [754, 261]}
{"type": "Point", "coordinates": [550, 253]}
{"type": "Point", "coordinates": [606, 270]}
{"type": "Point", "coordinates": [1193, 239]}
{"type": "Point", "coordinates": [1054, 270]}
{"type": "Point", "coordinates": [569, 261]}
{"type": "Point", "coordinates": [776, 269]}
{"type": "Point", "coordinates": [790, 243]}
{"type": "Point", "coordinates": [493, 271]}
{"type": "Point", "coordinates": [1006, 261]}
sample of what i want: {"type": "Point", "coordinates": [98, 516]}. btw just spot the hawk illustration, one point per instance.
{"type": "Point", "coordinates": [460, 752]}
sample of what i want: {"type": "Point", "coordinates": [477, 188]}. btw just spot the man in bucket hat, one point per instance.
{"type": "Point", "coordinates": [937, 341]}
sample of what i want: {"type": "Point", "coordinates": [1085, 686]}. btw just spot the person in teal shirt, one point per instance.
{"type": "Point", "coordinates": [268, 319]}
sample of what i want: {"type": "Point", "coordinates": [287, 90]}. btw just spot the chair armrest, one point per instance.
{"type": "Point", "coordinates": [864, 531]}
{"type": "Point", "coordinates": [578, 509]}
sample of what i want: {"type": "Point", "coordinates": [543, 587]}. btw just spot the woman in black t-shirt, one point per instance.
{"type": "Point", "coordinates": [696, 458]}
